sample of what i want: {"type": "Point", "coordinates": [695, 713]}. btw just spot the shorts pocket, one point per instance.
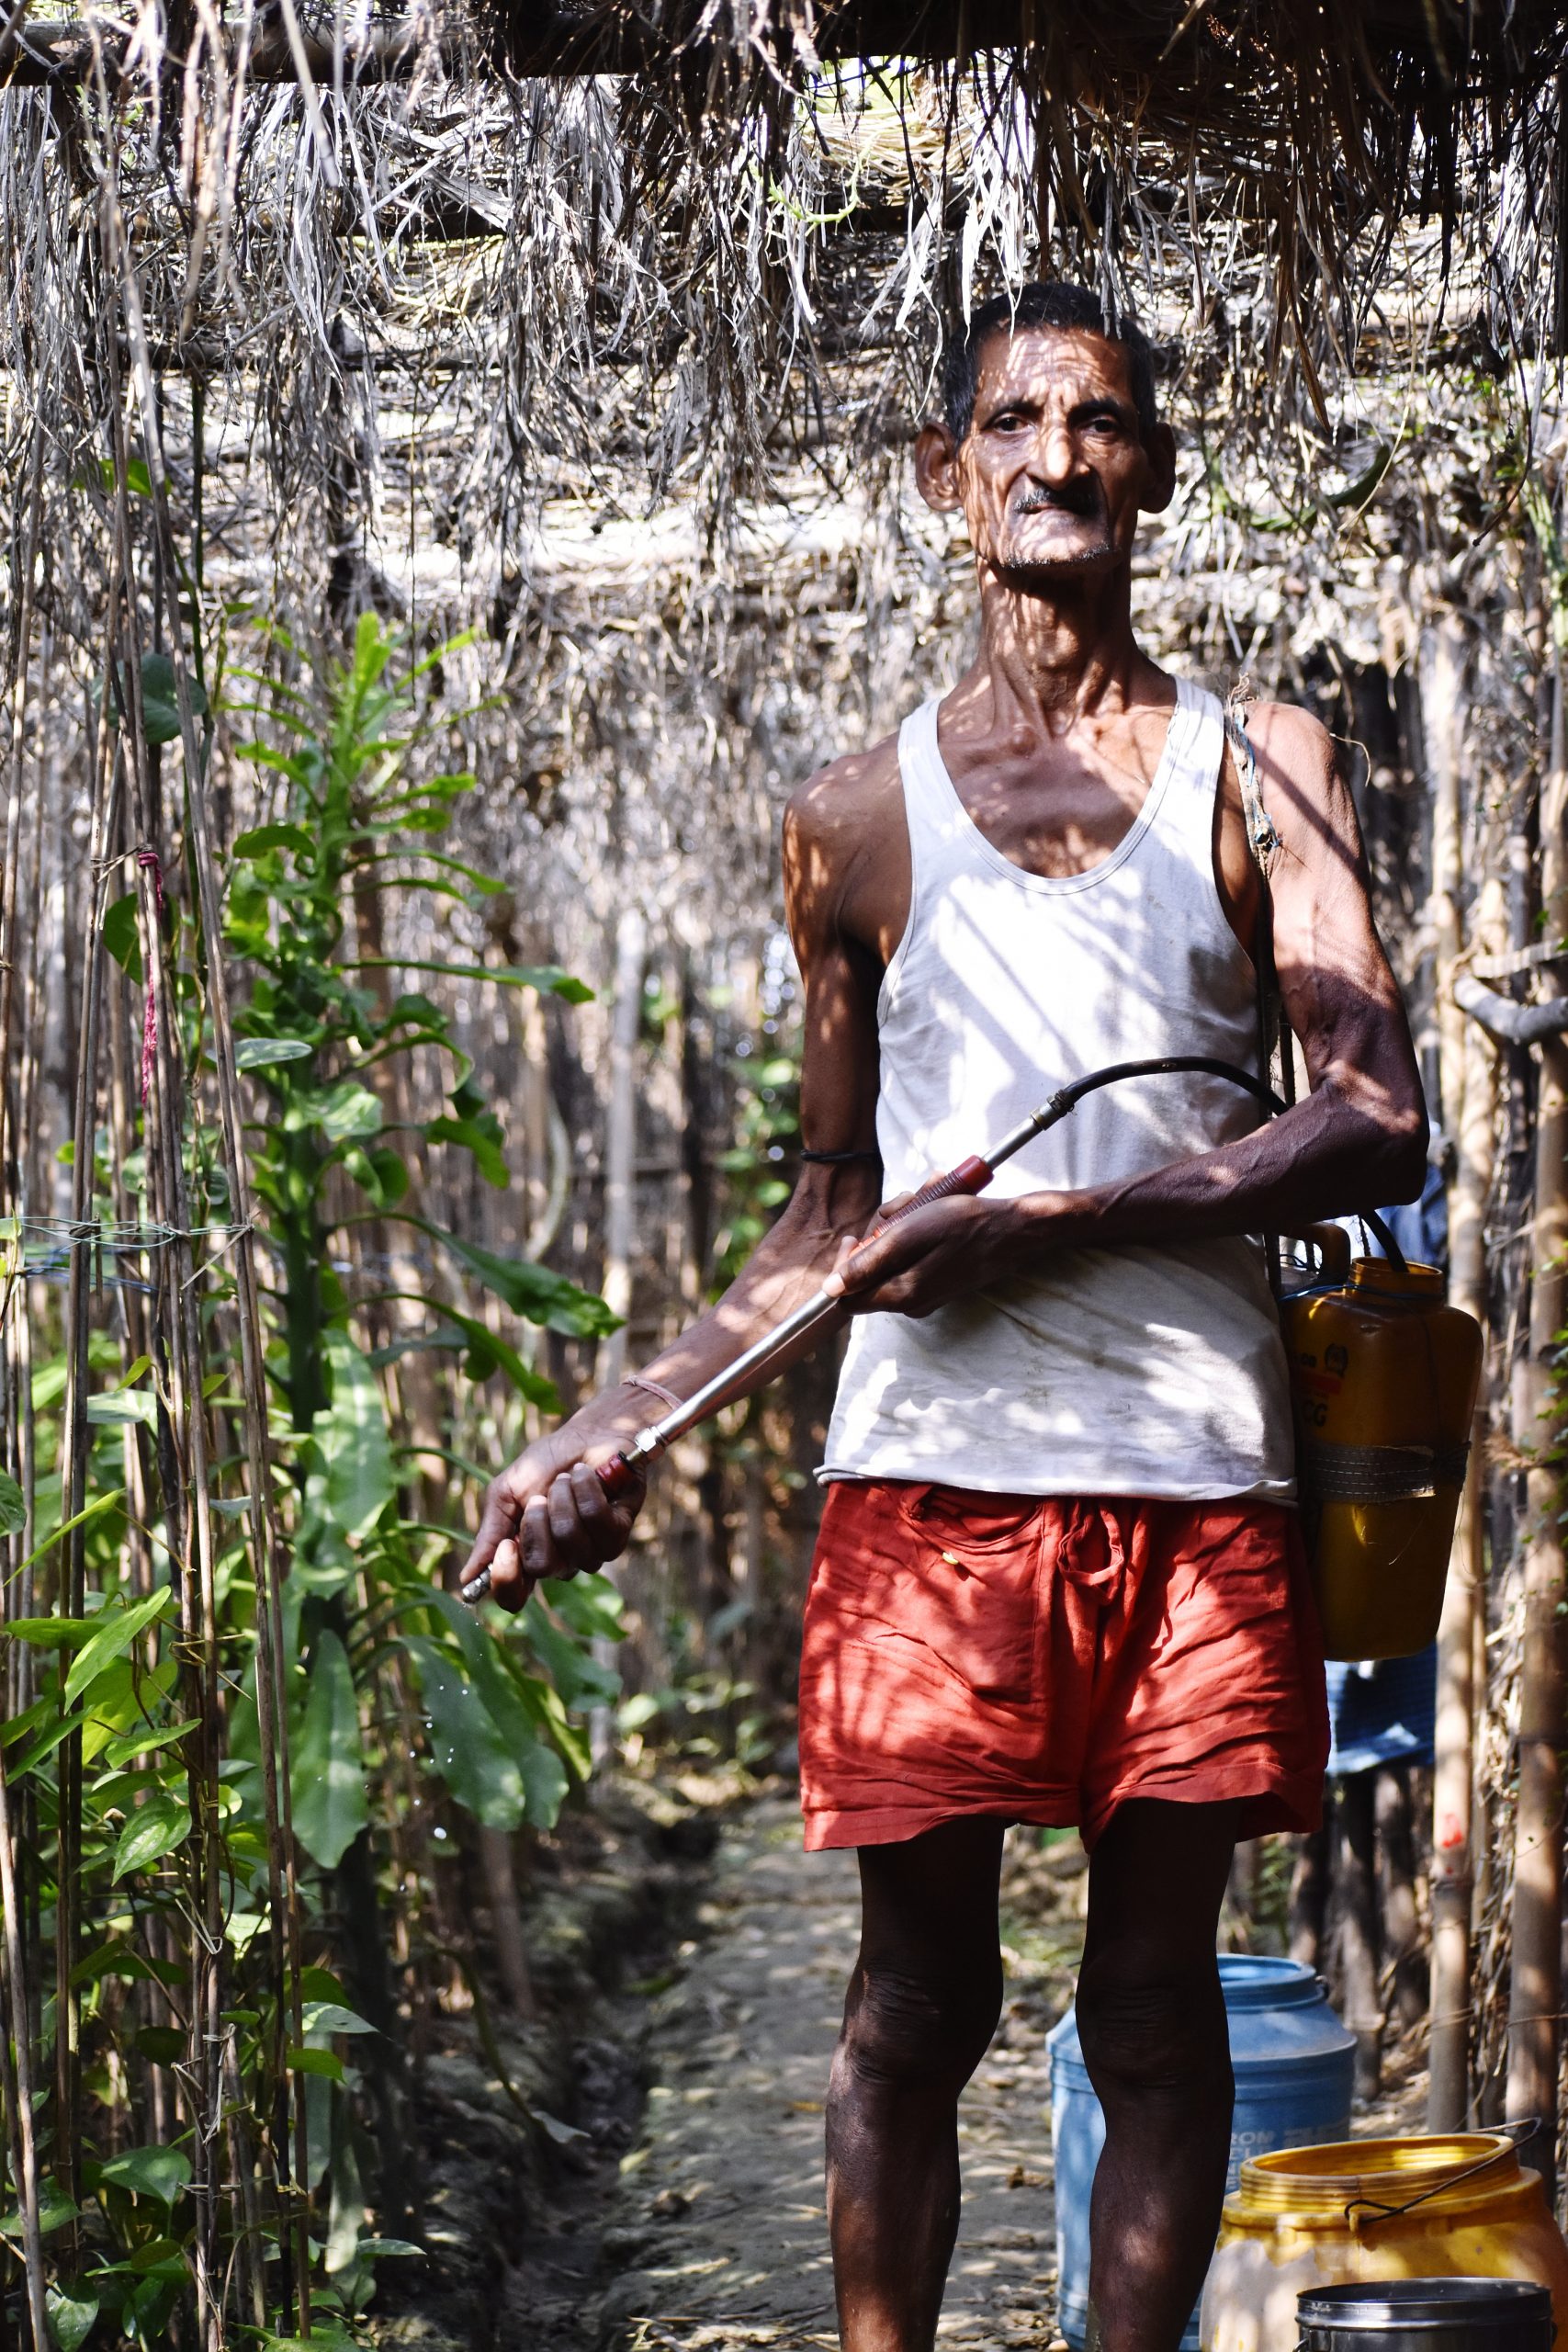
{"type": "Point", "coordinates": [973, 1563]}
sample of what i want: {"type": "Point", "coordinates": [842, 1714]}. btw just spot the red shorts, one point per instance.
{"type": "Point", "coordinates": [1040, 1659]}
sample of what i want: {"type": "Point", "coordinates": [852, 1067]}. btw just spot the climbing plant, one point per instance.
{"type": "Point", "coordinates": [212, 1762]}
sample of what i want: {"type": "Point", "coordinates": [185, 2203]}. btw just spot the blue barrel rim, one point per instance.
{"type": "Point", "coordinates": [1265, 1981]}
{"type": "Point", "coordinates": [1256, 1981]}
{"type": "Point", "coordinates": [1251, 1982]}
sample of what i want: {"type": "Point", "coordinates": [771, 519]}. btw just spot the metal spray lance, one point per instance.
{"type": "Point", "coordinates": [620, 1474]}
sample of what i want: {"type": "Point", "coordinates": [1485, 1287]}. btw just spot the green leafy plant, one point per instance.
{"type": "Point", "coordinates": [140, 1762]}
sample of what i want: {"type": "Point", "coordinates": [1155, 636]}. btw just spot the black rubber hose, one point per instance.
{"type": "Point", "coordinates": [1173, 1065]}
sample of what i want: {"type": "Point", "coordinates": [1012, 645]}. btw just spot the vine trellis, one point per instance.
{"type": "Point", "coordinates": [390, 400]}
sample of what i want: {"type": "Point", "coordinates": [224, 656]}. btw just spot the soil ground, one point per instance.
{"type": "Point", "coordinates": [715, 2236]}
{"type": "Point", "coordinates": [690, 1991]}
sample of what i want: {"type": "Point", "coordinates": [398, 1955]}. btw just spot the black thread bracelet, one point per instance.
{"type": "Point", "coordinates": [829, 1157]}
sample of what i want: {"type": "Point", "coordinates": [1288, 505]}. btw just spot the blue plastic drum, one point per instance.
{"type": "Point", "coordinates": [1293, 2063]}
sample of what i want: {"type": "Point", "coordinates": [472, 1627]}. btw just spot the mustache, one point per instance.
{"type": "Point", "coordinates": [1080, 498]}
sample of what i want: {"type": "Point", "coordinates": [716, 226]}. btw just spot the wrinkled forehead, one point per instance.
{"type": "Point", "coordinates": [1052, 366]}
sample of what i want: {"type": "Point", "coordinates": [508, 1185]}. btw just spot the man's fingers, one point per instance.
{"type": "Point", "coordinates": [562, 1514]}
{"type": "Point", "coordinates": [508, 1585]}
{"type": "Point", "coordinates": [538, 1551]}
{"type": "Point", "coordinates": [875, 1262]}
{"type": "Point", "coordinates": [606, 1525]}
{"type": "Point", "coordinates": [498, 1520]}
{"type": "Point", "coordinates": [849, 1274]}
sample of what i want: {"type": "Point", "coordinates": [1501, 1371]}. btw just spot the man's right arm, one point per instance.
{"type": "Point", "coordinates": [546, 1514]}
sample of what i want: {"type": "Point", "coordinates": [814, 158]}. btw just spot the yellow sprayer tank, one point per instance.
{"type": "Point", "coordinates": [1385, 1375]}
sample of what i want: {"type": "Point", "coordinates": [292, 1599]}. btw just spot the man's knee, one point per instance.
{"type": "Point", "coordinates": [907, 2031]}
{"type": "Point", "coordinates": [1163, 2030]}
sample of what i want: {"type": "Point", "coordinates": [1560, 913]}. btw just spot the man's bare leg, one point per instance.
{"type": "Point", "coordinates": [922, 2006]}
{"type": "Point", "coordinates": [1152, 2022]}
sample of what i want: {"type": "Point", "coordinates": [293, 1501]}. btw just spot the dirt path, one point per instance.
{"type": "Point", "coordinates": [718, 2237]}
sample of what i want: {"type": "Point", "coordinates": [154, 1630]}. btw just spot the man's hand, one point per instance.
{"type": "Point", "coordinates": [948, 1251]}
{"type": "Point", "coordinates": [547, 1515]}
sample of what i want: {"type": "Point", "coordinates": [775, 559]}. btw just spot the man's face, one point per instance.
{"type": "Point", "coordinates": [1052, 472]}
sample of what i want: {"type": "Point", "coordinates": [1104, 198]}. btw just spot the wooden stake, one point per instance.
{"type": "Point", "coordinates": [1442, 683]}
{"type": "Point", "coordinates": [1535, 1997]}
{"type": "Point", "coordinates": [620, 1197]}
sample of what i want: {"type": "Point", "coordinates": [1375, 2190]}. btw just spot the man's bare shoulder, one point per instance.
{"type": "Point", "coordinates": [833, 810]}
{"type": "Point", "coordinates": [846, 856]}
{"type": "Point", "coordinates": [1293, 748]}
{"type": "Point", "coordinates": [1307, 794]}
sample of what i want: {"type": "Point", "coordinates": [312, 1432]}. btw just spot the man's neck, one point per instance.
{"type": "Point", "coordinates": [1053, 655]}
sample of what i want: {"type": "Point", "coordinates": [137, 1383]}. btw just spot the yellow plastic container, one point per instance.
{"type": "Point", "coordinates": [1385, 1375]}
{"type": "Point", "coordinates": [1375, 2208]}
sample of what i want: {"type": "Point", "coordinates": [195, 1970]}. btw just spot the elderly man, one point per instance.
{"type": "Point", "coordinates": [1059, 1578]}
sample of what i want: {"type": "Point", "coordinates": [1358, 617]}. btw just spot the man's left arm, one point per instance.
{"type": "Point", "coordinates": [1357, 1140]}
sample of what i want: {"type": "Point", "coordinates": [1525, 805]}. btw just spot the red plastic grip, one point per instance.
{"type": "Point", "coordinates": [618, 1477]}
{"type": "Point", "coordinates": [971, 1175]}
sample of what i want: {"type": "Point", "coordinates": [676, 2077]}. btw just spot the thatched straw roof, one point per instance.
{"type": "Point", "coordinates": [605, 329]}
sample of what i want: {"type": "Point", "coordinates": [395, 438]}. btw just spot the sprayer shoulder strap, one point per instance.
{"type": "Point", "coordinates": [1263, 840]}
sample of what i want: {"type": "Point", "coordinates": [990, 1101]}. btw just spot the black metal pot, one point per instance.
{"type": "Point", "coordinates": [1427, 2315]}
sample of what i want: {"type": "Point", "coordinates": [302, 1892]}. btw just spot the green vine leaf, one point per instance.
{"type": "Point", "coordinates": [71, 2318]}
{"type": "Point", "coordinates": [380, 1174]}
{"type": "Point", "coordinates": [316, 2062]}
{"type": "Point", "coordinates": [158, 2173]}
{"type": "Point", "coordinates": [530, 1291]}
{"type": "Point", "coordinates": [511, 1698]}
{"type": "Point", "coordinates": [327, 1760]}
{"type": "Point", "coordinates": [53, 2213]}
{"type": "Point", "coordinates": [153, 1831]}
{"type": "Point", "coordinates": [466, 1745]}
{"type": "Point", "coordinates": [160, 701]}
{"type": "Point", "coordinates": [13, 1506]}
{"type": "Point", "coordinates": [263, 1053]}
{"type": "Point", "coordinates": [262, 838]}
{"type": "Point", "coordinates": [548, 979]}
{"type": "Point", "coordinates": [333, 2017]}
{"type": "Point", "coordinates": [352, 1435]}
{"type": "Point", "coordinates": [122, 935]}
{"type": "Point", "coordinates": [121, 1406]}
{"type": "Point", "coordinates": [112, 1634]}
{"type": "Point", "coordinates": [344, 1112]}
{"type": "Point", "coordinates": [481, 1135]}
{"type": "Point", "coordinates": [487, 1353]}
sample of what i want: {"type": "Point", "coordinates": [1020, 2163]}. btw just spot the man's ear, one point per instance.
{"type": "Point", "coordinates": [936, 468]}
{"type": "Point", "coordinates": [1160, 449]}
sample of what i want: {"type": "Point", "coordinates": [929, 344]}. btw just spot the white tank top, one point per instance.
{"type": "Point", "coordinates": [1155, 1369]}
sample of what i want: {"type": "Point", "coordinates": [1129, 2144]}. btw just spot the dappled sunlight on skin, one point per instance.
{"type": "Point", "coordinates": [1052, 743]}
{"type": "Point", "coordinates": [1053, 750]}
{"type": "Point", "coordinates": [1051, 479]}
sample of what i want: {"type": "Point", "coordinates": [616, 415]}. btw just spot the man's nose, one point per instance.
{"type": "Point", "coordinates": [1055, 456]}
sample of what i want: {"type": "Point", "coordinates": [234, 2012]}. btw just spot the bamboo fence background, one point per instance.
{"type": "Point", "coordinates": [594, 396]}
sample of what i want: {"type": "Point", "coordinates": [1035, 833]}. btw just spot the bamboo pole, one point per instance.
{"type": "Point", "coordinates": [284, 1896]}
{"type": "Point", "coordinates": [620, 1197]}
{"type": "Point", "coordinates": [1536, 1987]}
{"type": "Point", "coordinates": [620, 1139]}
{"type": "Point", "coordinates": [16, 1372]}
{"type": "Point", "coordinates": [74, 1444]}
{"type": "Point", "coordinates": [16, 2025]}
{"type": "Point", "coordinates": [1442, 682]}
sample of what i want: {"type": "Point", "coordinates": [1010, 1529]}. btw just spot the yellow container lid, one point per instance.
{"type": "Point", "coordinates": [1359, 2181]}
{"type": "Point", "coordinates": [1389, 1280]}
